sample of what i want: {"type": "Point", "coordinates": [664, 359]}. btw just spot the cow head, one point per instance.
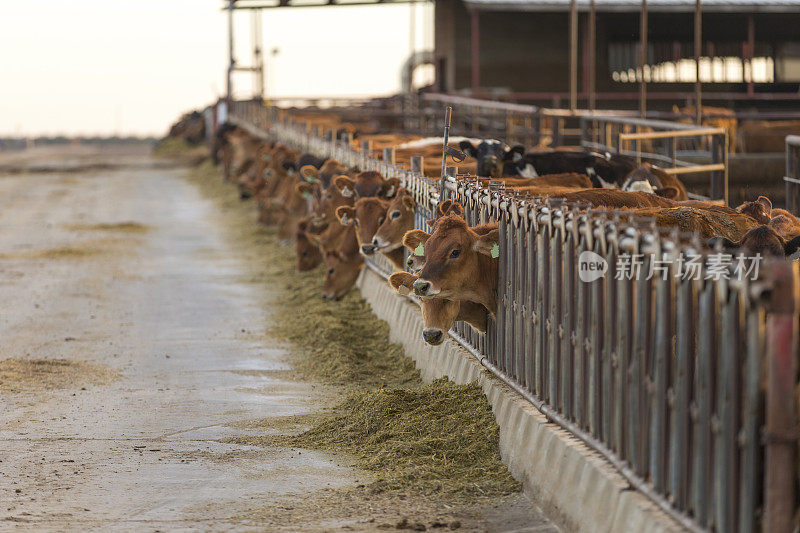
{"type": "Point", "coordinates": [367, 214]}
{"type": "Point", "coordinates": [307, 252]}
{"type": "Point", "coordinates": [760, 210]}
{"type": "Point", "coordinates": [491, 155]}
{"type": "Point", "coordinates": [326, 202]}
{"type": "Point", "coordinates": [366, 184]}
{"type": "Point", "coordinates": [416, 259]}
{"type": "Point", "coordinates": [438, 314]}
{"type": "Point", "coordinates": [762, 240]}
{"type": "Point", "coordinates": [399, 219]}
{"type": "Point", "coordinates": [458, 262]}
{"type": "Point", "coordinates": [341, 274]}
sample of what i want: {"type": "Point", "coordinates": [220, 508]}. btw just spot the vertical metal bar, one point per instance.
{"type": "Point", "coordinates": [554, 311]}
{"type": "Point", "coordinates": [781, 366]}
{"type": "Point", "coordinates": [565, 326]}
{"type": "Point", "coordinates": [475, 41]}
{"type": "Point", "coordinates": [503, 300]}
{"type": "Point", "coordinates": [530, 315]}
{"type": "Point", "coordinates": [621, 366]}
{"type": "Point", "coordinates": [679, 431]}
{"type": "Point", "coordinates": [636, 428]}
{"type": "Point", "coordinates": [446, 137]}
{"type": "Point", "coordinates": [703, 404]}
{"type": "Point", "coordinates": [578, 338]}
{"type": "Point", "coordinates": [660, 373]}
{"type": "Point", "coordinates": [231, 61]}
{"type": "Point", "coordinates": [609, 337]}
{"type": "Point", "coordinates": [698, 50]}
{"type": "Point", "coordinates": [751, 50]}
{"type": "Point", "coordinates": [542, 240]}
{"type": "Point", "coordinates": [643, 60]}
{"type": "Point", "coordinates": [573, 55]}
{"type": "Point", "coordinates": [750, 453]}
{"type": "Point", "coordinates": [595, 347]}
{"type": "Point", "coordinates": [592, 56]}
{"type": "Point", "coordinates": [725, 441]}
{"type": "Point", "coordinates": [521, 282]}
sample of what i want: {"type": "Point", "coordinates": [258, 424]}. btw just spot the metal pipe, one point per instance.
{"type": "Point", "coordinates": [592, 55]}
{"type": "Point", "coordinates": [475, 38]}
{"type": "Point", "coordinates": [698, 50]}
{"type": "Point", "coordinates": [573, 55]}
{"type": "Point", "coordinates": [231, 61]}
{"type": "Point", "coordinates": [643, 60]}
{"type": "Point", "coordinates": [751, 50]}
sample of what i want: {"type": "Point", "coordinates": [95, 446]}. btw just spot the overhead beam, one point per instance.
{"type": "Point", "coordinates": [329, 3]}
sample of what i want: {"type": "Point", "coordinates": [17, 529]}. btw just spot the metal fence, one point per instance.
{"type": "Point", "coordinates": [673, 146]}
{"type": "Point", "coordinates": [792, 177]}
{"type": "Point", "coordinates": [685, 384]}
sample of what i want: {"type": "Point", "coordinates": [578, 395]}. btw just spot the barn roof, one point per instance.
{"type": "Point", "coordinates": [725, 6]}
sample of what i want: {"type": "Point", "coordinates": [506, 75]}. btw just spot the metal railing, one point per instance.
{"type": "Point", "coordinates": [792, 177]}
{"type": "Point", "coordinates": [660, 374]}
{"type": "Point", "coordinates": [673, 146]}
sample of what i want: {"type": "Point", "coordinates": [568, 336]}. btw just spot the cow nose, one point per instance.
{"type": "Point", "coordinates": [367, 249]}
{"type": "Point", "coordinates": [433, 336]}
{"type": "Point", "coordinates": [421, 287]}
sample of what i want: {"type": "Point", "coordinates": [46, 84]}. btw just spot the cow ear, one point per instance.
{"type": "Point", "coordinates": [455, 209]}
{"type": "Point", "coordinates": [304, 188]}
{"type": "Point", "coordinates": [402, 282]}
{"type": "Point", "coordinates": [487, 244]}
{"type": "Point", "coordinates": [409, 202]}
{"type": "Point", "coordinates": [389, 188]}
{"type": "Point", "coordinates": [468, 148]}
{"type": "Point", "coordinates": [415, 241]}
{"type": "Point", "coordinates": [345, 215]}
{"type": "Point", "coordinates": [766, 202]}
{"type": "Point", "coordinates": [315, 230]}
{"type": "Point", "coordinates": [717, 243]}
{"type": "Point", "coordinates": [667, 192]}
{"type": "Point", "coordinates": [443, 207]}
{"type": "Point", "coordinates": [514, 153]}
{"type": "Point", "coordinates": [309, 173]}
{"type": "Point", "coordinates": [791, 246]}
{"type": "Point", "coordinates": [345, 185]}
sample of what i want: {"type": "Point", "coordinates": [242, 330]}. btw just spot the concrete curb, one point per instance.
{"type": "Point", "coordinates": [575, 485]}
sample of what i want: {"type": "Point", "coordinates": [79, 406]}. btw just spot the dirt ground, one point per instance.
{"type": "Point", "coordinates": [132, 352]}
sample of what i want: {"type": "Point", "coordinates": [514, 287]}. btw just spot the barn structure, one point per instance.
{"type": "Point", "coordinates": [520, 50]}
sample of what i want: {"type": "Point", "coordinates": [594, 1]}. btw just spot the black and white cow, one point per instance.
{"type": "Point", "coordinates": [493, 156]}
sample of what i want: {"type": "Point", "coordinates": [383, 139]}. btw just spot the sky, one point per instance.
{"type": "Point", "coordinates": [131, 67]}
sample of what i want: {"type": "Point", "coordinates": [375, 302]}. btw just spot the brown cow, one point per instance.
{"type": "Point", "coordinates": [342, 267]}
{"type": "Point", "coordinates": [307, 252]}
{"type": "Point", "coordinates": [364, 184]}
{"type": "Point", "coordinates": [650, 178]}
{"type": "Point", "coordinates": [460, 264]}
{"type": "Point", "coordinates": [761, 240]}
{"type": "Point", "coordinates": [438, 314]}
{"type": "Point", "coordinates": [759, 210]}
{"type": "Point", "coordinates": [568, 179]}
{"type": "Point", "coordinates": [706, 222]}
{"type": "Point", "coordinates": [388, 238]}
{"type": "Point", "coordinates": [367, 214]}
{"type": "Point", "coordinates": [786, 224]}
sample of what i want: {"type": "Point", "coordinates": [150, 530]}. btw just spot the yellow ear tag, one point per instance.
{"type": "Point", "coordinates": [311, 179]}
{"type": "Point", "coordinates": [306, 195]}
{"type": "Point", "coordinates": [495, 250]}
{"type": "Point", "coordinates": [419, 250]}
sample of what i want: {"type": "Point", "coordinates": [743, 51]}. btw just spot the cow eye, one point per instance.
{"type": "Point", "coordinates": [329, 197]}
{"type": "Point", "coordinates": [356, 222]}
{"type": "Point", "coordinates": [455, 253]}
{"type": "Point", "coordinates": [395, 214]}
{"type": "Point", "coordinates": [330, 272]}
{"type": "Point", "coordinates": [380, 220]}
{"type": "Point", "coordinates": [304, 254]}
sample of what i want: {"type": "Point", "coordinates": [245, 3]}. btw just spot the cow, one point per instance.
{"type": "Point", "coordinates": [492, 156]}
{"type": "Point", "coordinates": [324, 173]}
{"type": "Point", "coordinates": [388, 238]}
{"type": "Point", "coordinates": [460, 264]}
{"type": "Point", "coordinates": [306, 251]}
{"type": "Point", "coordinates": [567, 179]}
{"type": "Point", "coordinates": [760, 210]}
{"type": "Point", "coordinates": [650, 178]}
{"type": "Point", "coordinates": [366, 215]}
{"type": "Point", "coordinates": [605, 170]}
{"type": "Point", "coordinates": [365, 184]}
{"type": "Point", "coordinates": [438, 314]}
{"type": "Point", "coordinates": [762, 240]}
{"type": "Point", "coordinates": [706, 222]}
{"type": "Point", "coordinates": [786, 224]}
{"type": "Point", "coordinates": [343, 266]}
